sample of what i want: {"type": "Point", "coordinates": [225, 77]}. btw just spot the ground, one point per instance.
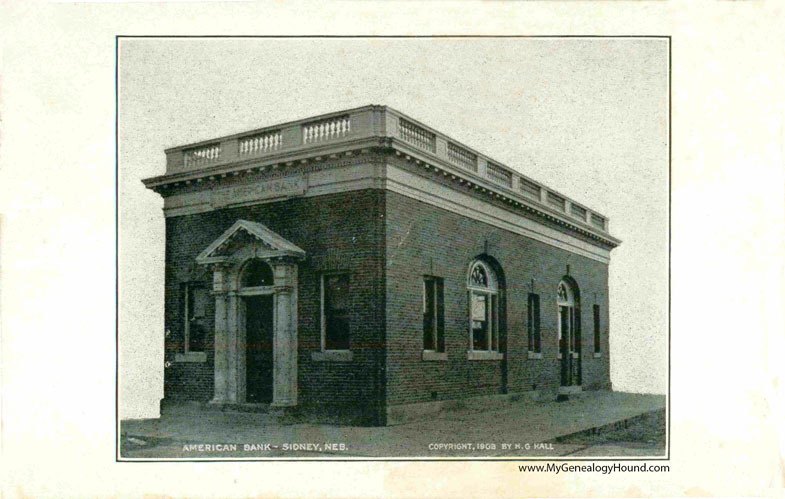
{"type": "Point", "coordinates": [645, 437]}
{"type": "Point", "coordinates": [594, 424]}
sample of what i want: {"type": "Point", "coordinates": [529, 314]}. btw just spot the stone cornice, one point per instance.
{"type": "Point", "coordinates": [427, 165]}
{"type": "Point", "coordinates": [285, 159]}
{"type": "Point", "coordinates": [495, 193]}
{"type": "Point", "coordinates": [364, 135]}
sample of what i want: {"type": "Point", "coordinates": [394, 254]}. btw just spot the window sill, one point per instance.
{"type": "Point", "coordinates": [332, 356]}
{"type": "Point", "coordinates": [535, 355]}
{"type": "Point", "coordinates": [597, 355]}
{"type": "Point", "coordinates": [431, 355]}
{"type": "Point", "coordinates": [191, 357]}
{"type": "Point", "coordinates": [484, 355]}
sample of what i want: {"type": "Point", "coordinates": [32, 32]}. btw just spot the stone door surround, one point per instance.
{"type": "Point", "coordinates": [228, 255]}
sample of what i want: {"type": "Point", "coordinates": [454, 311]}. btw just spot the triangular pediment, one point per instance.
{"type": "Point", "coordinates": [243, 235]}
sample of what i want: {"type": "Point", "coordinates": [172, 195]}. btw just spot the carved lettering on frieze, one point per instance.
{"type": "Point", "coordinates": [275, 188]}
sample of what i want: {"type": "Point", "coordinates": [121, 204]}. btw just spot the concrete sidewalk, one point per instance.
{"type": "Point", "coordinates": [522, 429]}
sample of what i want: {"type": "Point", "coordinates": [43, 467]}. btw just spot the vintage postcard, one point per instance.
{"type": "Point", "coordinates": [397, 277]}
{"type": "Point", "coordinates": [392, 249]}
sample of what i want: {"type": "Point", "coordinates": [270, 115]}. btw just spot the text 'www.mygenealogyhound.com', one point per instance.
{"type": "Point", "coordinates": [605, 469]}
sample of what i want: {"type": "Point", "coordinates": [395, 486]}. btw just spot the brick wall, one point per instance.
{"type": "Point", "coordinates": [424, 239]}
{"type": "Point", "coordinates": [388, 242]}
{"type": "Point", "coordinates": [338, 232]}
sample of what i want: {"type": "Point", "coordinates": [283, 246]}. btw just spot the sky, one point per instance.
{"type": "Point", "coordinates": [586, 117]}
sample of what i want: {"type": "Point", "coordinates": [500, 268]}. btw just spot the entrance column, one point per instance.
{"type": "Point", "coordinates": [221, 367]}
{"type": "Point", "coordinates": [285, 333]}
{"type": "Point", "coordinates": [232, 351]}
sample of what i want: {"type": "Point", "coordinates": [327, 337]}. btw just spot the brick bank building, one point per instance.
{"type": "Point", "coordinates": [363, 263]}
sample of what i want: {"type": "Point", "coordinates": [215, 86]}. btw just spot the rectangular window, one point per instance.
{"type": "Point", "coordinates": [480, 321]}
{"type": "Point", "coordinates": [597, 348]}
{"type": "Point", "coordinates": [484, 321]}
{"type": "Point", "coordinates": [335, 311]}
{"type": "Point", "coordinates": [534, 323]}
{"type": "Point", "coordinates": [433, 314]}
{"type": "Point", "coordinates": [195, 313]}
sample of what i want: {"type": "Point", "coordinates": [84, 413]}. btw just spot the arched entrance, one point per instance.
{"type": "Point", "coordinates": [257, 328]}
{"type": "Point", "coordinates": [255, 289]}
{"type": "Point", "coordinates": [568, 302]}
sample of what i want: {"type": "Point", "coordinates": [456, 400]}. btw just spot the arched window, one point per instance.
{"type": "Point", "coordinates": [256, 273]}
{"type": "Point", "coordinates": [564, 295]}
{"type": "Point", "coordinates": [569, 327]}
{"type": "Point", "coordinates": [483, 288]}
{"type": "Point", "coordinates": [565, 299]}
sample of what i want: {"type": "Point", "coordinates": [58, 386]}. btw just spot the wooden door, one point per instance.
{"type": "Point", "coordinates": [259, 349]}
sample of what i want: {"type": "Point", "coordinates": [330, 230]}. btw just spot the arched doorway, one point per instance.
{"type": "Point", "coordinates": [256, 290]}
{"type": "Point", "coordinates": [568, 302]}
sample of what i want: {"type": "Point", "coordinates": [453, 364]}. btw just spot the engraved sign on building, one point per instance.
{"type": "Point", "coordinates": [271, 189]}
{"type": "Point", "coordinates": [263, 191]}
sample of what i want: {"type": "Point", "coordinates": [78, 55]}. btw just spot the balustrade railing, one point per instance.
{"type": "Point", "coordinates": [461, 157]}
{"type": "Point", "coordinates": [578, 211]}
{"type": "Point", "coordinates": [530, 189]}
{"type": "Point", "coordinates": [362, 123]}
{"type": "Point", "coordinates": [203, 155]}
{"type": "Point", "coordinates": [261, 143]}
{"type": "Point", "coordinates": [556, 201]}
{"type": "Point", "coordinates": [329, 129]}
{"type": "Point", "coordinates": [499, 175]}
{"type": "Point", "coordinates": [598, 221]}
{"type": "Point", "coordinates": [418, 136]}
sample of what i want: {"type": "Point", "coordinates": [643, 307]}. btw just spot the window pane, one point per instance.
{"type": "Point", "coordinates": [479, 332]}
{"type": "Point", "coordinates": [478, 307]}
{"type": "Point", "coordinates": [196, 336]}
{"type": "Point", "coordinates": [257, 273]}
{"type": "Point", "coordinates": [564, 317]}
{"type": "Point", "coordinates": [337, 333]}
{"type": "Point", "coordinates": [336, 291]}
{"type": "Point", "coordinates": [479, 322]}
{"type": "Point", "coordinates": [536, 318]}
{"type": "Point", "coordinates": [440, 315]}
{"type": "Point", "coordinates": [493, 317]}
{"type": "Point", "coordinates": [428, 315]}
{"type": "Point", "coordinates": [195, 320]}
{"type": "Point", "coordinates": [576, 329]}
{"type": "Point", "coordinates": [562, 293]}
{"type": "Point", "coordinates": [597, 328]}
{"type": "Point", "coordinates": [530, 322]}
{"type": "Point", "coordinates": [336, 311]}
{"type": "Point", "coordinates": [478, 277]}
{"type": "Point", "coordinates": [200, 299]}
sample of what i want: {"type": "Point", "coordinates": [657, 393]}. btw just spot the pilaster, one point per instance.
{"type": "Point", "coordinates": [221, 335]}
{"type": "Point", "coordinates": [232, 374]}
{"type": "Point", "coordinates": [285, 335]}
